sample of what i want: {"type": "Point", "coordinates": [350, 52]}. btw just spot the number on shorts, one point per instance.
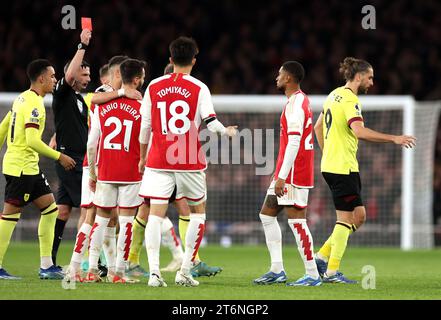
{"type": "Point", "coordinates": [171, 125]}
{"type": "Point", "coordinates": [108, 144]}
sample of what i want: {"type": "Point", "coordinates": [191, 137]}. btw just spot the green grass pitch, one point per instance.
{"type": "Point", "coordinates": [399, 275]}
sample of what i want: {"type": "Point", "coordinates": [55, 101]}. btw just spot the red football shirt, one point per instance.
{"type": "Point", "coordinates": [174, 106]}
{"type": "Point", "coordinates": [296, 119]}
{"type": "Point", "coordinates": [119, 122]}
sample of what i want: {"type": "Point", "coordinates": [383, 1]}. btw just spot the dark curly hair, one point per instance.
{"type": "Point", "coordinates": [351, 66]}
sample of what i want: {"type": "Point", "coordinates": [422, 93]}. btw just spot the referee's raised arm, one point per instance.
{"type": "Point", "coordinates": [78, 57]}
{"type": "Point", "coordinates": [71, 128]}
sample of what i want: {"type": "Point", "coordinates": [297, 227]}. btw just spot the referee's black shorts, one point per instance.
{"type": "Point", "coordinates": [346, 190]}
{"type": "Point", "coordinates": [19, 191]}
{"type": "Point", "coordinates": [69, 188]}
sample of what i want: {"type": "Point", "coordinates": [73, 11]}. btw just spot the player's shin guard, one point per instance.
{"type": "Point", "coordinates": [171, 240]}
{"type": "Point", "coordinates": [339, 242]}
{"type": "Point", "coordinates": [273, 237]}
{"type": "Point", "coordinates": [46, 229]}
{"type": "Point", "coordinates": [96, 241]}
{"type": "Point", "coordinates": [109, 248]}
{"type": "Point", "coordinates": [81, 245]}
{"type": "Point", "coordinates": [7, 226]}
{"type": "Point", "coordinates": [137, 240]}
{"type": "Point", "coordinates": [305, 245]}
{"type": "Point", "coordinates": [193, 239]}
{"type": "Point", "coordinates": [124, 242]}
{"type": "Point", "coordinates": [153, 242]}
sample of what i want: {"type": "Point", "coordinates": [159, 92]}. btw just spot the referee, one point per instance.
{"type": "Point", "coordinates": [71, 128]}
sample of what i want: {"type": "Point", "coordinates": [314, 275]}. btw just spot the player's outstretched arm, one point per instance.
{"type": "Point", "coordinates": [216, 126]}
{"type": "Point", "coordinates": [318, 129]}
{"type": "Point", "coordinates": [363, 133]}
{"type": "Point", "coordinates": [103, 97]}
{"type": "Point", "coordinates": [405, 141]}
{"type": "Point", "coordinates": [231, 131]}
{"type": "Point", "coordinates": [78, 58]}
{"type": "Point", "coordinates": [4, 128]}
{"type": "Point", "coordinates": [208, 115]}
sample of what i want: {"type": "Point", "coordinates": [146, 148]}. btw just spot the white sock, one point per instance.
{"type": "Point", "coordinates": [193, 238]}
{"type": "Point", "coordinates": [273, 236]}
{"type": "Point", "coordinates": [124, 242]}
{"type": "Point", "coordinates": [81, 244]}
{"type": "Point", "coordinates": [153, 242]}
{"type": "Point", "coordinates": [305, 245]}
{"type": "Point", "coordinates": [96, 240]}
{"type": "Point", "coordinates": [46, 262]}
{"type": "Point", "coordinates": [109, 248]}
{"type": "Point", "coordinates": [171, 240]}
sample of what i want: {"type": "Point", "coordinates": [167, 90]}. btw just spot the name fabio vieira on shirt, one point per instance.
{"type": "Point", "coordinates": [123, 106]}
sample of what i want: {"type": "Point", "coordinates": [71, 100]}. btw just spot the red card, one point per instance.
{"type": "Point", "coordinates": [86, 23]}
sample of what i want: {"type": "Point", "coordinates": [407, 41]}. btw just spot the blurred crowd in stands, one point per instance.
{"type": "Point", "coordinates": [242, 43]}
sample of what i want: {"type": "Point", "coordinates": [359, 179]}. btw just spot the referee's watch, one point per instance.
{"type": "Point", "coordinates": [82, 46]}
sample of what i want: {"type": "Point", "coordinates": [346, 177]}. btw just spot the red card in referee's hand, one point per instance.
{"type": "Point", "coordinates": [86, 23]}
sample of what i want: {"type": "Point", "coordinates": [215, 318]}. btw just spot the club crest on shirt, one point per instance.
{"type": "Point", "coordinates": [80, 106]}
{"type": "Point", "coordinates": [358, 112]}
{"type": "Point", "coordinates": [35, 113]}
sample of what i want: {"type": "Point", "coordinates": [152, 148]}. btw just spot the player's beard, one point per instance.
{"type": "Point", "coordinates": [363, 89]}
{"type": "Point", "coordinates": [281, 88]}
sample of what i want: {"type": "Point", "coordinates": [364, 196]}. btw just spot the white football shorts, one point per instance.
{"type": "Point", "coordinates": [158, 186]}
{"type": "Point", "coordinates": [112, 195]}
{"type": "Point", "coordinates": [293, 196]}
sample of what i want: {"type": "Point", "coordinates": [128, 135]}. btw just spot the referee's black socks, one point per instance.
{"type": "Point", "coordinates": [58, 235]}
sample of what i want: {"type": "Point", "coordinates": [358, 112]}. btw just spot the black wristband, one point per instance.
{"type": "Point", "coordinates": [82, 46]}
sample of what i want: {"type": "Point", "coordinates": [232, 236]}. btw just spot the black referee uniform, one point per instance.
{"type": "Point", "coordinates": [71, 129]}
{"type": "Point", "coordinates": [70, 116]}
